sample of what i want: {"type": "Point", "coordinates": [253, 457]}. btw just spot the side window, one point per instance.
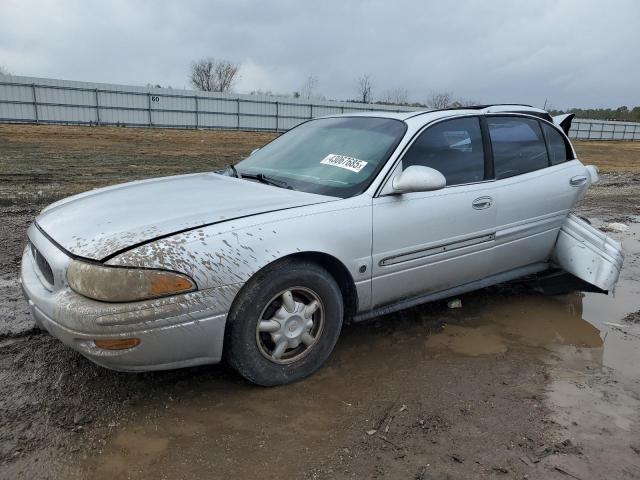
{"type": "Point", "coordinates": [518, 146]}
{"type": "Point", "coordinates": [558, 148]}
{"type": "Point", "coordinates": [453, 147]}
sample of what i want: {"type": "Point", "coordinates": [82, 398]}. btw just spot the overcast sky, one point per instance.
{"type": "Point", "coordinates": [571, 52]}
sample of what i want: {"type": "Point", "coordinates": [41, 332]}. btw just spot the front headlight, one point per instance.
{"type": "Point", "coordinates": [121, 284]}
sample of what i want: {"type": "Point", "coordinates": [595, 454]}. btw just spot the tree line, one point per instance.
{"type": "Point", "coordinates": [621, 114]}
{"type": "Point", "coordinates": [211, 75]}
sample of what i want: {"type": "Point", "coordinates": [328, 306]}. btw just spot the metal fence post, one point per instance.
{"type": "Point", "coordinates": [97, 107]}
{"type": "Point", "coordinates": [311, 110]}
{"type": "Point", "coordinates": [277, 113]}
{"type": "Point", "coordinates": [197, 111]}
{"type": "Point", "coordinates": [149, 108]}
{"type": "Point", "coordinates": [35, 102]}
{"type": "Point", "coordinates": [238, 113]}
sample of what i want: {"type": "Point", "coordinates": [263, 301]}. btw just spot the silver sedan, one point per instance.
{"type": "Point", "coordinates": [341, 218]}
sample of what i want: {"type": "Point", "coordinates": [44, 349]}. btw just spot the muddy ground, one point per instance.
{"type": "Point", "coordinates": [512, 385]}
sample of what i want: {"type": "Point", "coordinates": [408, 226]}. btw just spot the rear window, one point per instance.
{"type": "Point", "coordinates": [558, 149]}
{"type": "Point", "coordinates": [518, 146]}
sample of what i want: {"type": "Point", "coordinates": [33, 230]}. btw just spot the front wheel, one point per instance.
{"type": "Point", "coordinates": [284, 323]}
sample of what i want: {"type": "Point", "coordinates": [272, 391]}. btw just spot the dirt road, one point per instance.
{"type": "Point", "coordinates": [512, 385]}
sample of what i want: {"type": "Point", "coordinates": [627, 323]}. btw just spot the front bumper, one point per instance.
{"type": "Point", "coordinates": [174, 332]}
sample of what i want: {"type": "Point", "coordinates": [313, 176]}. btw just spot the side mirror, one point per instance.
{"type": "Point", "coordinates": [418, 179]}
{"type": "Point", "coordinates": [254, 151]}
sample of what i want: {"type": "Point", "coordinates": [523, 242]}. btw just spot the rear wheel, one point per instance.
{"type": "Point", "coordinates": [284, 323]}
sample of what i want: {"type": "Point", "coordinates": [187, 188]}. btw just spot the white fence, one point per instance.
{"type": "Point", "coordinates": [604, 130]}
{"type": "Point", "coordinates": [39, 100]}
{"type": "Point", "coordinates": [43, 100]}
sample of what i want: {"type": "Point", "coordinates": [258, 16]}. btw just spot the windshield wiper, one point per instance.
{"type": "Point", "coordinates": [262, 178]}
{"type": "Point", "coordinates": [235, 171]}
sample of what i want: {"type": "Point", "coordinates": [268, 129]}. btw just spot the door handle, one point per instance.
{"type": "Point", "coordinates": [482, 203]}
{"type": "Point", "coordinates": [578, 180]}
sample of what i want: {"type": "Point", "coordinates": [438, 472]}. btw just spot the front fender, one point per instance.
{"type": "Point", "coordinates": [232, 252]}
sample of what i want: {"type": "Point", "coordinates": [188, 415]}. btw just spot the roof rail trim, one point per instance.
{"type": "Point", "coordinates": [470, 107]}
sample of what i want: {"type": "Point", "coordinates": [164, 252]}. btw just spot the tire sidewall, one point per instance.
{"type": "Point", "coordinates": [241, 350]}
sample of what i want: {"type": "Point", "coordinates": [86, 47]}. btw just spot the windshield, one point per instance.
{"type": "Point", "coordinates": [328, 156]}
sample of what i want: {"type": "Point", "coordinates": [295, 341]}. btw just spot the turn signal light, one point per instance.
{"type": "Point", "coordinates": [117, 343]}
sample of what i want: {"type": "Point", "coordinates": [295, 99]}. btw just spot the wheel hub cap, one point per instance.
{"type": "Point", "coordinates": [293, 326]}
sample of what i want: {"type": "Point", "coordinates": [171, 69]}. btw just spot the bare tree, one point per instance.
{"type": "Point", "coordinates": [309, 88]}
{"type": "Point", "coordinates": [464, 102]}
{"type": "Point", "coordinates": [439, 100]}
{"type": "Point", "coordinates": [263, 93]}
{"type": "Point", "coordinates": [396, 96]}
{"type": "Point", "coordinates": [363, 88]}
{"type": "Point", "coordinates": [212, 75]}
{"type": "Point", "coordinates": [157, 85]}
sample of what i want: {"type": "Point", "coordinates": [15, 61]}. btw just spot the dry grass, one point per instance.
{"type": "Point", "coordinates": [610, 156]}
{"type": "Point", "coordinates": [131, 142]}
{"type": "Point", "coordinates": [51, 161]}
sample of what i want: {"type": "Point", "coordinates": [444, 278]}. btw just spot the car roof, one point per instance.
{"type": "Point", "coordinates": [447, 112]}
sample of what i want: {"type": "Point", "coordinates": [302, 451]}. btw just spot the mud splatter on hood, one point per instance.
{"type": "Point", "coordinates": [98, 223]}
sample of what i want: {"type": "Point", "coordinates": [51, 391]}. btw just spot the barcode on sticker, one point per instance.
{"type": "Point", "coordinates": [342, 161]}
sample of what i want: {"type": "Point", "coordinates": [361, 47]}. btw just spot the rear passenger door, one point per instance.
{"type": "Point", "coordinates": [534, 188]}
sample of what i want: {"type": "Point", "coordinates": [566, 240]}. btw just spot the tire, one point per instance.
{"type": "Point", "coordinates": [252, 352]}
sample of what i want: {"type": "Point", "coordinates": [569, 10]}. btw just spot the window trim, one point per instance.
{"type": "Point", "coordinates": [568, 147]}
{"type": "Point", "coordinates": [546, 144]}
{"type": "Point", "coordinates": [489, 168]}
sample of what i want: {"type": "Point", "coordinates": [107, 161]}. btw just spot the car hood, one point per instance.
{"type": "Point", "coordinates": [99, 223]}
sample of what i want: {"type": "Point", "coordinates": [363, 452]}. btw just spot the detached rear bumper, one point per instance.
{"type": "Point", "coordinates": [589, 254]}
{"type": "Point", "coordinates": [174, 332]}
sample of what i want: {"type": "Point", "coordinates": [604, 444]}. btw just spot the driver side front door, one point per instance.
{"type": "Point", "coordinates": [425, 242]}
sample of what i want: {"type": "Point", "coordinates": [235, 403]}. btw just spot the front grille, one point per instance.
{"type": "Point", "coordinates": [43, 265]}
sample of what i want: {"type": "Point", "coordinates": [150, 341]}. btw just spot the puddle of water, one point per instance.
{"type": "Point", "coordinates": [218, 427]}
{"type": "Point", "coordinates": [510, 321]}
{"type": "Point", "coordinates": [138, 446]}
{"type": "Point", "coordinates": [594, 360]}
{"type": "Point", "coordinates": [569, 332]}
{"type": "Point", "coordinates": [622, 350]}
{"type": "Point", "coordinates": [588, 320]}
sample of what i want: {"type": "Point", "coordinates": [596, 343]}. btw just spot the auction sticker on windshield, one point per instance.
{"type": "Point", "coordinates": [342, 161]}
